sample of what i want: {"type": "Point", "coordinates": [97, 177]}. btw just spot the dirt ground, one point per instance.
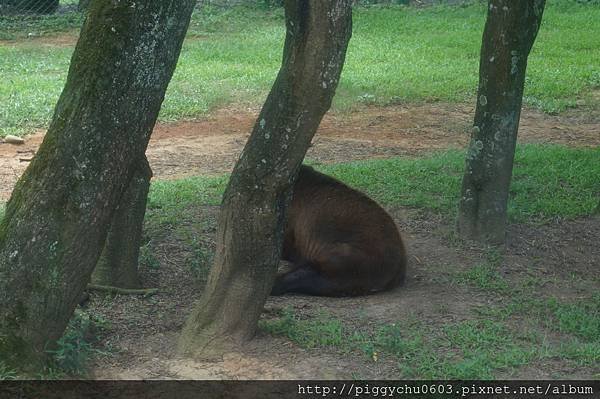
{"type": "Point", "coordinates": [211, 145]}
{"type": "Point", "coordinates": [143, 331]}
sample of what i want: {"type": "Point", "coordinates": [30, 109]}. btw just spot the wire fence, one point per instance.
{"type": "Point", "coordinates": [30, 18]}
{"type": "Point", "coordinates": [36, 8]}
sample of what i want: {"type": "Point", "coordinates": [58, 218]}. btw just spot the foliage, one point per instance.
{"type": "Point", "coordinates": [75, 347]}
{"type": "Point", "coordinates": [6, 373]}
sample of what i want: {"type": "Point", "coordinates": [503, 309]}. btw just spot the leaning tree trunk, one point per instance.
{"type": "Point", "coordinates": [118, 264]}
{"type": "Point", "coordinates": [60, 211]}
{"type": "Point", "coordinates": [510, 31]}
{"type": "Point", "coordinates": [251, 221]}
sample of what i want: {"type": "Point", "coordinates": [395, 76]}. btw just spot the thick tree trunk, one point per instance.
{"type": "Point", "coordinates": [251, 221]}
{"type": "Point", "coordinates": [510, 31]}
{"type": "Point", "coordinates": [60, 211]}
{"type": "Point", "coordinates": [118, 264]}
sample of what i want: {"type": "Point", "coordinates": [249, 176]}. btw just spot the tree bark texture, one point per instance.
{"type": "Point", "coordinates": [58, 216]}
{"type": "Point", "coordinates": [118, 264]}
{"type": "Point", "coordinates": [509, 34]}
{"type": "Point", "coordinates": [251, 221]}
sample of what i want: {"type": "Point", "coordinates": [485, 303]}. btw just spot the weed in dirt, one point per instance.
{"type": "Point", "coordinates": [75, 347]}
{"type": "Point", "coordinates": [7, 373]}
{"type": "Point", "coordinates": [147, 257]}
{"type": "Point", "coordinates": [581, 353]}
{"type": "Point", "coordinates": [317, 332]}
{"type": "Point", "coordinates": [397, 54]}
{"type": "Point", "coordinates": [485, 277]}
{"type": "Point", "coordinates": [581, 318]}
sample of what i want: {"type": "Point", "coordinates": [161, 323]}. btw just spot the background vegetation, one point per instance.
{"type": "Point", "coordinates": [397, 54]}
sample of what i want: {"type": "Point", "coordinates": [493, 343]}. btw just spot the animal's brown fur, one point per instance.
{"type": "Point", "coordinates": [340, 242]}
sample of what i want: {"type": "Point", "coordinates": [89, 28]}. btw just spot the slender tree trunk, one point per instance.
{"type": "Point", "coordinates": [510, 31]}
{"type": "Point", "coordinates": [251, 221]}
{"type": "Point", "coordinates": [60, 211]}
{"type": "Point", "coordinates": [118, 264]}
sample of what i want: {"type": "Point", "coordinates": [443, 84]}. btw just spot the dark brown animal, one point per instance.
{"type": "Point", "coordinates": [339, 241]}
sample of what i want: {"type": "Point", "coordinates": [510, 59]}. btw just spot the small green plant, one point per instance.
{"type": "Point", "coordinates": [7, 373]}
{"type": "Point", "coordinates": [75, 347]}
{"type": "Point", "coordinates": [147, 257]}
{"type": "Point", "coordinates": [581, 318]}
{"type": "Point", "coordinates": [485, 277]}
{"type": "Point", "coordinates": [320, 331]}
{"type": "Point", "coordinates": [200, 262]}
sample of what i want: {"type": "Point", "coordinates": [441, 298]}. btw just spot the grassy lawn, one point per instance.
{"type": "Point", "coordinates": [548, 182]}
{"type": "Point", "coordinates": [396, 54]}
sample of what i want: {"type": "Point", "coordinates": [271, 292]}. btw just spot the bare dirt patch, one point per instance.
{"type": "Point", "coordinates": [211, 145]}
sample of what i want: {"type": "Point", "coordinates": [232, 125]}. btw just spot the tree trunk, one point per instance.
{"type": "Point", "coordinates": [510, 31]}
{"type": "Point", "coordinates": [118, 264]}
{"type": "Point", "coordinates": [58, 216]}
{"type": "Point", "coordinates": [251, 221]}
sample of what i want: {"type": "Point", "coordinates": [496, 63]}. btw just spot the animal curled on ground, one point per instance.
{"type": "Point", "coordinates": [339, 241]}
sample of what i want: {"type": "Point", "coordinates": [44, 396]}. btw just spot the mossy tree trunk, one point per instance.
{"type": "Point", "coordinates": [509, 34]}
{"type": "Point", "coordinates": [251, 220]}
{"type": "Point", "coordinates": [58, 216]}
{"type": "Point", "coordinates": [118, 264]}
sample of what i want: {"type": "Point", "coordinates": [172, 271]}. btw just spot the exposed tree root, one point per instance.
{"type": "Point", "coordinates": [122, 291]}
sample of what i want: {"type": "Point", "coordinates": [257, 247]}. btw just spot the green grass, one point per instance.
{"type": "Point", "coordinates": [75, 348]}
{"type": "Point", "coordinates": [477, 348]}
{"type": "Point", "coordinates": [472, 349]}
{"type": "Point", "coordinates": [396, 54]}
{"type": "Point", "coordinates": [549, 182]}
